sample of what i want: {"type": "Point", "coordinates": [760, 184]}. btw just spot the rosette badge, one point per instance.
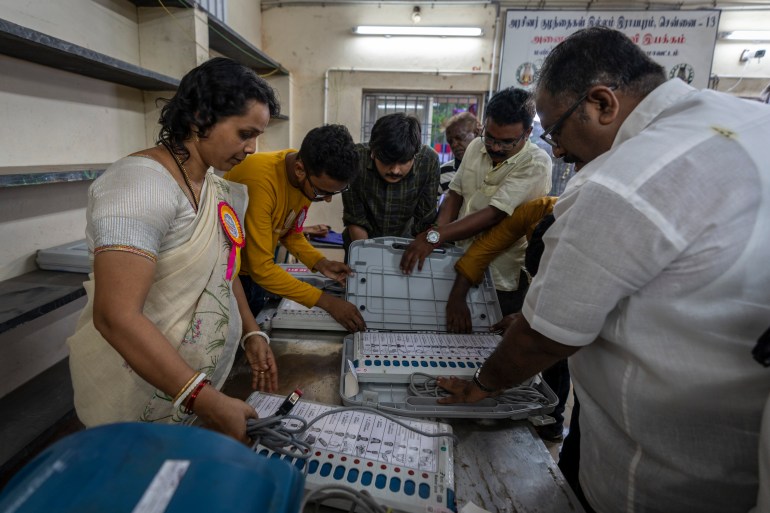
{"type": "Point", "coordinates": [234, 231]}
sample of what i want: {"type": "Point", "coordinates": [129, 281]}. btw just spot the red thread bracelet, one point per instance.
{"type": "Point", "coordinates": [188, 406]}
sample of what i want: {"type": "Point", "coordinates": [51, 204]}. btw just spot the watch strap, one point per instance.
{"type": "Point", "coordinates": [479, 384]}
{"type": "Point", "coordinates": [427, 235]}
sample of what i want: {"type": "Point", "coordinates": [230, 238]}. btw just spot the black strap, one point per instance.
{"type": "Point", "coordinates": [761, 351]}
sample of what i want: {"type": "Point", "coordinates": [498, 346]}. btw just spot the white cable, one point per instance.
{"type": "Point", "coordinates": [428, 387]}
{"type": "Point", "coordinates": [746, 67]}
{"type": "Point", "coordinates": [362, 499]}
{"type": "Point", "coordinates": [274, 435]}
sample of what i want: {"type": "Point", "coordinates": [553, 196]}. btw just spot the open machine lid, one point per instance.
{"type": "Point", "coordinates": [390, 300]}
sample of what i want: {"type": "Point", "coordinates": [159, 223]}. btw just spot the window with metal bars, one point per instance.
{"type": "Point", "coordinates": [433, 111]}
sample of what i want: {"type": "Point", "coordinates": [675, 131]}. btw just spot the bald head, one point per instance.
{"type": "Point", "coordinates": [461, 129]}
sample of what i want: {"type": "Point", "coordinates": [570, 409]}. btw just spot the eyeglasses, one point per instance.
{"type": "Point", "coordinates": [320, 194]}
{"type": "Point", "coordinates": [502, 144]}
{"type": "Point", "coordinates": [548, 135]}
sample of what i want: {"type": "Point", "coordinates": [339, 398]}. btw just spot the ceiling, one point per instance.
{"type": "Point", "coordinates": [548, 4]}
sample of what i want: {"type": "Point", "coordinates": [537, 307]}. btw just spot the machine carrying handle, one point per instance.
{"type": "Point", "coordinates": [401, 246]}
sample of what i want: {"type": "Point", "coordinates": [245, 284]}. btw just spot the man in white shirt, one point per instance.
{"type": "Point", "coordinates": [655, 278]}
{"type": "Point", "coordinates": [500, 170]}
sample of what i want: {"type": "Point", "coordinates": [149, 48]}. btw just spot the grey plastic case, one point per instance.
{"type": "Point", "coordinates": [397, 398]}
{"type": "Point", "coordinates": [71, 257]}
{"type": "Point", "coordinates": [393, 302]}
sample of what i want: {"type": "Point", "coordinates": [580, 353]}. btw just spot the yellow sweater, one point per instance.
{"type": "Point", "coordinates": [521, 223]}
{"type": "Point", "coordinates": [274, 211]}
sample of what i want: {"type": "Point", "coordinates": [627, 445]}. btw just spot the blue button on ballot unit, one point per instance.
{"type": "Point", "coordinates": [136, 467]}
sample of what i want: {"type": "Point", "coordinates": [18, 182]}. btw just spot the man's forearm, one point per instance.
{"type": "Point", "coordinates": [357, 232]}
{"type": "Point", "coordinates": [460, 288]}
{"type": "Point", "coordinates": [470, 225]}
{"type": "Point", "coordinates": [450, 208]}
{"type": "Point", "coordinates": [521, 354]}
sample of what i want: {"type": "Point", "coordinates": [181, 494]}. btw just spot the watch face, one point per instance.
{"type": "Point", "coordinates": [433, 236]}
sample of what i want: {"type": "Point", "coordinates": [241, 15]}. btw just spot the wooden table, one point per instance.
{"type": "Point", "coordinates": [500, 465]}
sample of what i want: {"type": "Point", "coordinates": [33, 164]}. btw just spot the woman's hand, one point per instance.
{"type": "Point", "coordinates": [224, 414]}
{"type": "Point", "coordinates": [263, 367]}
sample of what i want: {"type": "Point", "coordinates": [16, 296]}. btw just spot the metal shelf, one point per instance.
{"type": "Point", "coordinates": [226, 41]}
{"type": "Point", "coordinates": [230, 44]}
{"type": "Point", "coordinates": [30, 45]}
{"type": "Point", "coordinates": [39, 175]}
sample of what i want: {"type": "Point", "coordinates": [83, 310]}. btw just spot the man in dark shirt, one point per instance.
{"type": "Point", "coordinates": [395, 191]}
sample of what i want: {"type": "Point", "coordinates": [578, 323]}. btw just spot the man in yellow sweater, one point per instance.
{"type": "Point", "coordinates": [282, 185]}
{"type": "Point", "coordinates": [470, 268]}
{"type": "Point", "coordinates": [529, 220]}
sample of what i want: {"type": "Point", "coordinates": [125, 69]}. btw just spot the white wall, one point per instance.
{"type": "Point", "coordinates": [104, 26]}
{"type": "Point", "coordinates": [53, 117]}
{"type": "Point", "coordinates": [62, 118]}
{"type": "Point", "coordinates": [310, 40]}
{"type": "Point", "coordinates": [245, 18]}
{"type": "Point", "coordinates": [727, 66]}
{"type": "Point", "coordinates": [313, 41]}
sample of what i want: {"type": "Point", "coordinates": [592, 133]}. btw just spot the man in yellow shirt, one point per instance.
{"type": "Point", "coordinates": [529, 220]}
{"type": "Point", "coordinates": [485, 248]}
{"type": "Point", "coordinates": [282, 185]}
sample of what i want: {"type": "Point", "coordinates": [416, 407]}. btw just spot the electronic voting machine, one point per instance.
{"type": "Point", "coordinates": [292, 315]}
{"type": "Point", "coordinates": [401, 469]}
{"type": "Point", "coordinates": [406, 341]}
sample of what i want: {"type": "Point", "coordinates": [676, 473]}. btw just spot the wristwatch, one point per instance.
{"type": "Point", "coordinates": [479, 384]}
{"type": "Point", "coordinates": [433, 237]}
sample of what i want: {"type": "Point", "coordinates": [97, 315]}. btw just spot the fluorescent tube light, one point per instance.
{"type": "Point", "coordinates": [747, 35]}
{"type": "Point", "coordinates": [406, 30]}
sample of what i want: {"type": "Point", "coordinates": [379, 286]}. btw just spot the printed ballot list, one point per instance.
{"type": "Point", "coordinates": [428, 344]}
{"type": "Point", "coordinates": [361, 434]}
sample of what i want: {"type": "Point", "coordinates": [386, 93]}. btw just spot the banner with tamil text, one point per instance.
{"type": "Point", "coordinates": [681, 41]}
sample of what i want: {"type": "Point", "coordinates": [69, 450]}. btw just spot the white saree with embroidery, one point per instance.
{"type": "Point", "coordinates": [191, 303]}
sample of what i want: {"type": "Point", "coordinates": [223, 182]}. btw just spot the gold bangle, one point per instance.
{"type": "Point", "coordinates": [178, 394]}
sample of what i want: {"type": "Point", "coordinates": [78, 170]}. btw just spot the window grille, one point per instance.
{"type": "Point", "coordinates": [432, 110]}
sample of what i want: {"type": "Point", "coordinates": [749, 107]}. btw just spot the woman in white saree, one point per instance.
{"type": "Point", "coordinates": [165, 309]}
